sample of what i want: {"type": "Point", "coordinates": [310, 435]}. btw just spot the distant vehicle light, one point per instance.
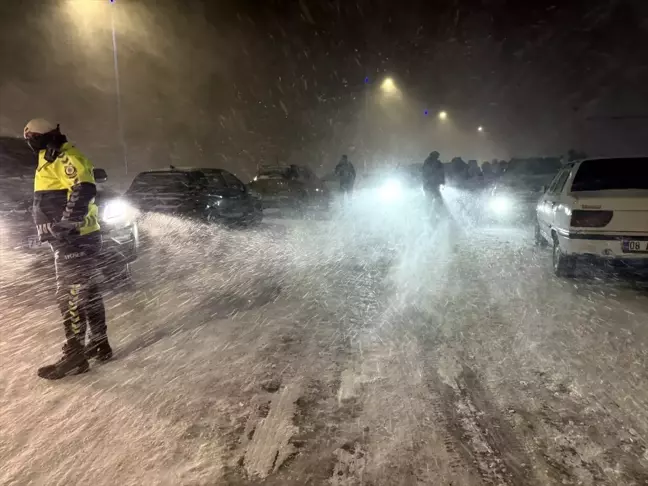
{"type": "Point", "coordinates": [501, 205]}
{"type": "Point", "coordinates": [391, 189]}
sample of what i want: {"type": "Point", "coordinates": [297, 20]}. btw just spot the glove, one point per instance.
{"type": "Point", "coordinates": [63, 229]}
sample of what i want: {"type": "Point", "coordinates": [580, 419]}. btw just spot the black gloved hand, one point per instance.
{"type": "Point", "coordinates": [63, 229]}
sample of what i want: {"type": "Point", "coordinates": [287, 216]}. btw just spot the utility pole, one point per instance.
{"type": "Point", "coordinates": [120, 119]}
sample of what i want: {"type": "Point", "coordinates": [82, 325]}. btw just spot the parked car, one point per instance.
{"type": "Point", "coordinates": [596, 210]}
{"type": "Point", "coordinates": [514, 196]}
{"type": "Point", "coordinates": [290, 187]}
{"type": "Point", "coordinates": [118, 227]}
{"type": "Point", "coordinates": [213, 195]}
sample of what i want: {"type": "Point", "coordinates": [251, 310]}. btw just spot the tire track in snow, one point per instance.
{"type": "Point", "coordinates": [312, 423]}
{"type": "Point", "coordinates": [270, 445]}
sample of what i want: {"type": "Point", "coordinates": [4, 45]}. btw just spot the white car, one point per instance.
{"type": "Point", "coordinates": [596, 209]}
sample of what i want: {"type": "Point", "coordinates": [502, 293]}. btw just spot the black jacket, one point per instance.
{"type": "Point", "coordinates": [345, 171]}
{"type": "Point", "coordinates": [433, 172]}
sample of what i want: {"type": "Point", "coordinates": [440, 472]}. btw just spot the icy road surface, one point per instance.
{"type": "Point", "coordinates": [343, 352]}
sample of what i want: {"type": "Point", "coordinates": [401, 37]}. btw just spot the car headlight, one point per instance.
{"type": "Point", "coordinates": [117, 211]}
{"type": "Point", "coordinates": [392, 189]}
{"type": "Point", "coordinates": [501, 205]}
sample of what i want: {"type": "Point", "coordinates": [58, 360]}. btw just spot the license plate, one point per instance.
{"type": "Point", "coordinates": [634, 246]}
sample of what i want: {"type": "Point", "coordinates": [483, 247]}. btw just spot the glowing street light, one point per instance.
{"type": "Point", "coordinates": [388, 86]}
{"type": "Point", "coordinates": [443, 115]}
{"type": "Point", "coordinates": [480, 128]}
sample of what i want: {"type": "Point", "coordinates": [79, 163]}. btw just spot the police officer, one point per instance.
{"type": "Point", "coordinates": [66, 216]}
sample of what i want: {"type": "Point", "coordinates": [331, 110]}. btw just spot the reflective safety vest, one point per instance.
{"type": "Point", "coordinates": [65, 190]}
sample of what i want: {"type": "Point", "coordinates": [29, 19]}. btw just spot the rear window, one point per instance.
{"type": "Point", "coordinates": [215, 179]}
{"type": "Point", "coordinates": [279, 172]}
{"type": "Point", "coordinates": [163, 182]}
{"type": "Point", "coordinates": [610, 174]}
{"type": "Point", "coordinates": [273, 174]}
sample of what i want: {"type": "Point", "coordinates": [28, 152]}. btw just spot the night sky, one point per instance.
{"type": "Point", "coordinates": [233, 83]}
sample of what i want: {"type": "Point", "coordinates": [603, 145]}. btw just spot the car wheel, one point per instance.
{"type": "Point", "coordinates": [540, 241]}
{"type": "Point", "coordinates": [563, 265]}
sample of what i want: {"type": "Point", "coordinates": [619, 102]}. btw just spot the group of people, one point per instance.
{"type": "Point", "coordinates": [434, 172]}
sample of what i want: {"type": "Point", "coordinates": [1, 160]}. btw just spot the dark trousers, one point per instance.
{"type": "Point", "coordinates": [346, 187]}
{"type": "Point", "coordinates": [77, 291]}
{"type": "Point", "coordinates": [435, 199]}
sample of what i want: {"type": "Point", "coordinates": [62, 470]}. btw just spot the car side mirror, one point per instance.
{"type": "Point", "coordinates": [100, 175]}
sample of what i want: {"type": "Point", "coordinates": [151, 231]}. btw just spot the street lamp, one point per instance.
{"type": "Point", "coordinates": [480, 128]}
{"type": "Point", "coordinates": [120, 120]}
{"type": "Point", "coordinates": [388, 86]}
{"type": "Point", "coordinates": [443, 115]}
{"type": "Point", "coordinates": [93, 10]}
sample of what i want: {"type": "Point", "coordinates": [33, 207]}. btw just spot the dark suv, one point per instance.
{"type": "Point", "coordinates": [290, 187]}
{"type": "Point", "coordinates": [17, 229]}
{"type": "Point", "coordinates": [213, 195]}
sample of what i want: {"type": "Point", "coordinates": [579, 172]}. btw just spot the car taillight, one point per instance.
{"type": "Point", "coordinates": [590, 219]}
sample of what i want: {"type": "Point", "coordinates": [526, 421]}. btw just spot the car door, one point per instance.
{"type": "Point", "coordinates": [239, 195]}
{"type": "Point", "coordinates": [544, 206]}
{"type": "Point", "coordinates": [552, 200]}
{"type": "Point", "coordinates": [563, 202]}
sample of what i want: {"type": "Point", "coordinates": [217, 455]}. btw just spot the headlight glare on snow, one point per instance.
{"type": "Point", "coordinates": [501, 205]}
{"type": "Point", "coordinates": [116, 211]}
{"type": "Point", "coordinates": [391, 189]}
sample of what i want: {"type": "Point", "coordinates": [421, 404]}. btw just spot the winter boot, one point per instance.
{"type": "Point", "coordinates": [73, 362]}
{"type": "Point", "coordinates": [99, 349]}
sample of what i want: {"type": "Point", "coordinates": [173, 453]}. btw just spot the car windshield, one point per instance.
{"type": "Point", "coordinates": [215, 179]}
{"type": "Point", "coordinates": [610, 174]}
{"type": "Point", "coordinates": [161, 182]}
{"type": "Point", "coordinates": [105, 194]}
{"type": "Point", "coordinates": [276, 172]}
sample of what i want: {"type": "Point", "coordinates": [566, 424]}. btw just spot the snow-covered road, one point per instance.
{"type": "Point", "coordinates": [351, 351]}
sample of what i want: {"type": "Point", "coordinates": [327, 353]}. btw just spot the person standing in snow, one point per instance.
{"type": "Point", "coordinates": [347, 174]}
{"type": "Point", "coordinates": [67, 218]}
{"type": "Point", "coordinates": [433, 175]}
